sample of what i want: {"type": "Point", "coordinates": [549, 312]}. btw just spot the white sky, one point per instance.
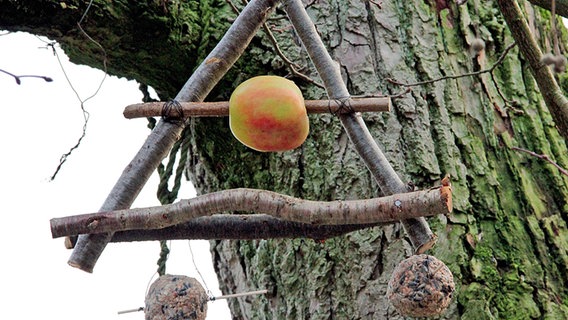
{"type": "Point", "coordinates": [40, 122]}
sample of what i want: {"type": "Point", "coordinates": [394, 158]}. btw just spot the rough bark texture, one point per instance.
{"type": "Point", "coordinates": [507, 241]}
{"type": "Point", "coordinates": [504, 243]}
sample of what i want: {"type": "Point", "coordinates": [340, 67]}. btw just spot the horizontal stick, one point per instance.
{"type": "Point", "coordinates": [240, 227]}
{"type": "Point", "coordinates": [377, 210]}
{"type": "Point", "coordinates": [221, 108]}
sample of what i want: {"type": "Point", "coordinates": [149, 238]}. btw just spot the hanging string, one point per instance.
{"type": "Point", "coordinates": [86, 115]}
{"type": "Point", "coordinates": [172, 111]}
{"type": "Point", "coordinates": [167, 196]}
{"type": "Point", "coordinates": [164, 253]}
{"type": "Point", "coordinates": [209, 293]}
{"type": "Point", "coordinates": [147, 98]}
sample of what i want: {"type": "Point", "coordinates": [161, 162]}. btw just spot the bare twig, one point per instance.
{"type": "Point", "coordinates": [291, 65]}
{"type": "Point", "coordinates": [543, 157]}
{"type": "Point", "coordinates": [551, 92]}
{"type": "Point", "coordinates": [470, 74]}
{"type": "Point", "coordinates": [89, 247]}
{"type": "Point", "coordinates": [19, 78]}
{"type": "Point", "coordinates": [221, 109]}
{"type": "Point", "coordinates": [417, 229]}
{"type": "Point", "coordinates": [377, 210]}
{"type": "Point", "coordinates": [131, 310]}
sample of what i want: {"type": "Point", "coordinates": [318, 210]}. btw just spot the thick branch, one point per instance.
{"type": "Point", "coordinates": [221, 108]}
{"type": "Point", "coordinates": [377, 210]}
{"type": "Point", "coordinates": [228, 50]}
{"type": "Point", "coordinates": [239, 227]}
{"type": "Point", "coordinates": [561, 6]}
{"type": "Point", "coordinates": [551, 92]}
{"type": "Point", "coordinates": [390, 183]}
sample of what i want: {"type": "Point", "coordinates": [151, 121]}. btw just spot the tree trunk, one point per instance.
{"type": "Point", "coordinates": [505, 242]}
{"type": "Point", "coordinates": [507, 239]}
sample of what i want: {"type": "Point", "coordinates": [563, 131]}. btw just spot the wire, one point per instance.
{"type": "Point", "coordinates": [209, 293]}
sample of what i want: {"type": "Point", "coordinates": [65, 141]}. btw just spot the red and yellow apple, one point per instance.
{"type": "Point", "coordinates": [267, 113]}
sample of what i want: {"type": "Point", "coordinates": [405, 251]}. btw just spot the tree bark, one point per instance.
{"type": "Point", "coordinates": [506, 239]}
{"type": "Point", "coordinates": [425, 203]}
{"type": "Point", "coordinates": [221, 108]}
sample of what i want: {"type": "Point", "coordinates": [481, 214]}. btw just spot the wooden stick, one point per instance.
{"type": "Point", "coordinates": [131, 310]}
{"type": "Point", "coordinates": [242, 294]}
{"type": "Point", "coordinates": [385, 209]}
{"type": "Point", "coordinates": [386, 177]}
{"type": "Point", "coordinates": [240, 227]}
{"type": "Point", "coordinates": [221, 108]}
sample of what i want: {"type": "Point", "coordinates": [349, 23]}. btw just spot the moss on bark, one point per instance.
{"type": "Point", "coordinates": [504, 200]}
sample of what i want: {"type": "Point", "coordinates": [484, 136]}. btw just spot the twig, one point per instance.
{"type": "Point", "coordinates": [240, 294]}
{"type": "Point", "coordinates": [86, 114]}
{"type": "Point", "coordinates": [89, 247]}
{"type": "Point", "coordinates": [552, 94]}
{"type": "Point", "coordinates": [291, 65]}
{"type": "Point", "coordinates": [417, 229]}
{"type": "Point", "coordinates": [221, 109]}
{"type": "Point", "coordinates": [377, 3]}
{"type": "Point", "coordinates": [377, 210]}
{"type": "Point", "coordinates": [470, 74]}
{"type": "Point", "coordinates": [131, 310]}
{"type": "Point", "coordinates": [18, 78]}
{"type": "Point", "coordinates": [544, 157]}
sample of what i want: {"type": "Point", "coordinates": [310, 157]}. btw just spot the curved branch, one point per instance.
{"type": "Point", "coordinates": [551, 92]}
{"type": "Point", "coordinates": [458, 76]}
{"type": "Point", "coordinates": [377, 210]}
{"type": "Point", "coordinates": [417, 229]}
{"type": "Point", "coordinates": [221, 108]}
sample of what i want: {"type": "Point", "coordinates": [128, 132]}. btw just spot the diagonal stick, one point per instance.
{"type": "Point", "coordinates": [89, 247]}
{"type": "Point", "coordinates": [417, 229]}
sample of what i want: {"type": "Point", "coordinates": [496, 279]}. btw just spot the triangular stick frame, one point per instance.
{"type": "Point", "coordinates": [89, 247]}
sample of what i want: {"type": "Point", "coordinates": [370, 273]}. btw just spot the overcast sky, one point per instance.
{"type": "Point", "coordinates": [40, 122]}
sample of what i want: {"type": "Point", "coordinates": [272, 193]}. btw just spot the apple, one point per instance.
{"type": "Point", "coordinates": [267, 113]}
